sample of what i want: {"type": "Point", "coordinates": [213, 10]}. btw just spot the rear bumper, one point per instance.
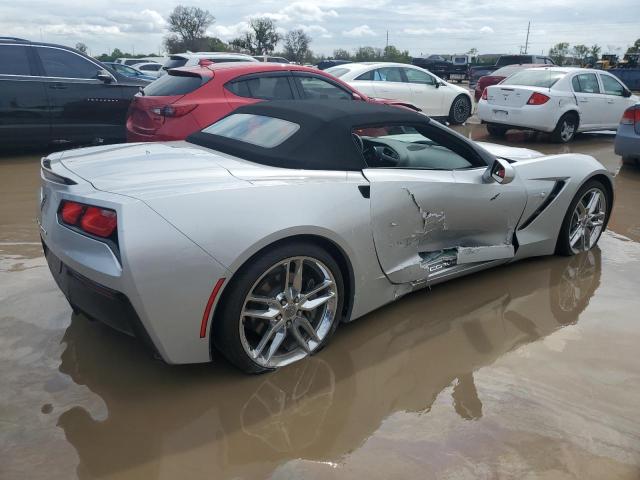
{"type": "Point", "coordinates": [96, 301]}
{"type": "Point", "coordinates": [534, 117]}
{"type": "Point", "coordinates": [627, 142]}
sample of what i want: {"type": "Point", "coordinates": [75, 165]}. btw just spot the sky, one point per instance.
{"type": "Point", "coordinates": [422, 27]}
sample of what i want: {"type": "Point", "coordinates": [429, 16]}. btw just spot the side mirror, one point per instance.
{"type": "Point", "coordinates": [104, 76]}
{"type": "Point", "coordinates": [626, 93]}
{"type": "Point", "coordinates": [437, 84]}
{"type": "Point", "coordinates": [500, 172]}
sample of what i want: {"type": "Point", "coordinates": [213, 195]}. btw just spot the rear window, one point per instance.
{"type": "Point", "coordinates": [506, 71]}
{"type": "Point", "coordinates": [514, 59]}
{"type": "Point", "coordinates": [171, 84]}
{"type": "Point", "coordinates": [174, 62]}
{"type": "Point", "coordinates": [535, 78]}
{"type": "Point", "coordinates": [267, 132]}
{"type": "Point", "coordinates": [337, 71]}
{"type": "Point", "coordinates": [134, 61]}
{"type": "Point", "coordinates": [14, 60]}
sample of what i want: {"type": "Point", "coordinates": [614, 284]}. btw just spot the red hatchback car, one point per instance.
{"type": "Point", "coordinates": [500, 74]}
{"type": "Point", "coordinates": [189, 99]}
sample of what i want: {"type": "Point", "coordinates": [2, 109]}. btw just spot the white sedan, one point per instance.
{"type": "Point", "coordinates": [407, 83]}
{"type": "Point", "coordinates": [558, 100]}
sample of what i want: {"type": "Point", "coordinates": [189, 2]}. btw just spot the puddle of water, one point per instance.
{"type": "Point", "coordinates": [528, 369]}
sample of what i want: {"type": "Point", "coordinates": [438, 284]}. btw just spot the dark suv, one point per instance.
{"type": "Point", "coordinates": [55, 94]}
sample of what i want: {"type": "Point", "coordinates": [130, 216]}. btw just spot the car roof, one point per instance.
{"type": "Point", "coordinates": [248, 67]}
{"type": "Point", "coordinates": [211, 54]}
{"type": "Point", "coordinates": [323, 140]}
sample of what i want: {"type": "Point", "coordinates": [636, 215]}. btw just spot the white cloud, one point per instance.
{"type": "Point", "coordinates": [361, 31]}
{"type": "Point", "coordinates": [315, 30]}
{"type": "Point", "coordinates": [307, 12]}
{"type": "Point", "coordinates": [145, 21]}
{"type": "Point", "coordinates": [486, 29]}
{"type": "Point", "coordinates": [228, 32]}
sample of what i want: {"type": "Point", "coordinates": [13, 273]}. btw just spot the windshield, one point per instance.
{"type": "Point", "coordinates": [535, 78]}
{"type": "Point", "coordinates": [337, 71]}
{"type": "Point", "coordinates": [267, 132]}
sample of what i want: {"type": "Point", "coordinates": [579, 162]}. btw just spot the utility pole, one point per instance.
{"type": "Point", "coordinates": [387, 40]}
{"type": "Point", "coordinates": [526, 43]}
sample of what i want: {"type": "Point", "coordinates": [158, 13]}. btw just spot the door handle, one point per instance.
{"type": "Point", "coordinates": [610, 101]}
{"type": "Point", "coordinates": [583, 100]}
{"type": "Point", "coordinates": [57, 86]}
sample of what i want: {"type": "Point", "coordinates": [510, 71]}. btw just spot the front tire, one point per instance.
{"type": "Point", "coordinates": [566, 128]}
{"type": "Point", "coordinates": [283, 305]}
{"type": "Point", "coordinates": [460, 110]}
{"type": "Point", "coordinates": [585, 220]}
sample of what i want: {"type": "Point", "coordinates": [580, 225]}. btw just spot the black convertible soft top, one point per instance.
{"type": "Point", "coordinates": [323, 141]}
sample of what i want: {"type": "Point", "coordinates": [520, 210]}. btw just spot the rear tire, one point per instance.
{"type": "Point", "coordinates": [234, 332]}
{"type": "Point", "coordinates": [496, 131]}
{"type": "Point", "coordinates": [573, 217]}
{"type": "Point", "coordinates": [460, 110]}
{"type": "Point", "coordinates": [566, 128]}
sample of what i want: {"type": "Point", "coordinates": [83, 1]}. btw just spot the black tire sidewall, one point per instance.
{"type": "Point", "coordinates": [225, 334]}
{"type": "Point", "coordinates": [562, 246]}
{"type": "Point", "coordinates": [496, 131]}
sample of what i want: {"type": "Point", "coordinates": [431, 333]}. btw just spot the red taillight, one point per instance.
{"type": "Point", "coordinates": [71, 212]}
{"type": "Point", "coordinates": [630, 116]}
{"type": "Point", "coordinates": [101, 222]}
{"type": "Point", "coordinates": [173, 110]}
{"type": "Point", "coordinates": [537, 99]}
{"type": "Point", "coordinates": [484, 94]}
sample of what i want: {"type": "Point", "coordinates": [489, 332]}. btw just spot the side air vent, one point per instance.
{"type": "Point", "coordinates": [557, 188]}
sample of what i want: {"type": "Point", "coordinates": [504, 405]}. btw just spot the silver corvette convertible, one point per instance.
{"type": "Point", "coordinates": [258, 235]}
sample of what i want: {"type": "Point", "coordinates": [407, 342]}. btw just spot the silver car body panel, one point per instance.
{"type": "Point", "coordinates": [189, 216]}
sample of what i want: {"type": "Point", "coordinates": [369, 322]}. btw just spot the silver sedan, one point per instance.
{"type": "Point", "coordinates": [260, 234]}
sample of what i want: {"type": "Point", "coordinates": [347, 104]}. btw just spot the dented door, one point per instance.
{"type": "Point", "coordinates": [429, 223]}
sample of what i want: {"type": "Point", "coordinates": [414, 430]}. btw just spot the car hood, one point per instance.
{"type": "Point", "coordinates": [510, 153]}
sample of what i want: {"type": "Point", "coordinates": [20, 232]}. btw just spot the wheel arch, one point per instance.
{"type": "Point", "coordinates": [331, 246]}
{"type": "Point", "coordinates": [572, 110]}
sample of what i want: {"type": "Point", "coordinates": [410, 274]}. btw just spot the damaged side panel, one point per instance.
{"type": "Point", "coordinates": [426, 223]}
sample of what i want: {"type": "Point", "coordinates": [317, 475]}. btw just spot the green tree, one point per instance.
{"type": "Point", "coordinates": [392, 54]}
{"type": "Point", "coordinates": [368, 54]}
{"type": "Point", "coordinates": [341, 54]}
{"type": "Point", "coordinates": [261, 39]}
{"type": "Point", "coordinates": [296, 45]}
{"type": "Point", "coordinates": [188, 26]}
{"type": "Point", "coordinates": [594, 51]}
{"type": "Point", "coordinates": [559, 52]}
{"type": "Point", "coordinates": [635, 48]}
{"type": "Point", "coordinates": [581, 52]}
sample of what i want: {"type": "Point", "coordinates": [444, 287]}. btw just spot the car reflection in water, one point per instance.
{"type": "Point", "coordinates": [209, 420]}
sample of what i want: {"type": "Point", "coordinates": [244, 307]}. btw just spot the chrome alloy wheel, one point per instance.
{"type": "Point", "coordinates": [567, 130]}
{"type": "Point", "coordinates": [587, 220]}
{"type": "Point", "coordinates": [288, 312]}
{"type": "Point", "coordinates": [461, 110]}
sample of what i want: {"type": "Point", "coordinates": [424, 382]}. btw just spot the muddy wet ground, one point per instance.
{"type": "Point", "coordinates": [531, 370]}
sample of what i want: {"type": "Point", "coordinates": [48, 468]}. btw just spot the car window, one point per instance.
{"type": "Point", "coordinates": [612, 86]}
{"type": "Point", "coordinates": [535, 78]}
{"type": "Point", "coordinates": [153, 68]}
{"type": "Point", "coordinates": [318, 88]}
{"type": "Point", "coordinates": [399, 146]}
{"type": "Point", "coordinates": [263, 87]}
{"type": "Point", "coordinates": [388, 74]}
{"type": "Point", "coordinates": [267, 132]}
{"type": "Point", "coordinates": [170, 85]}
{"type": "Point", "coordinates": [133, 61]}
{"type": "Point", "coordinates": [174, 61]}
{"type": "Point", "coordinates": [416, 76]}
{"type": "Point", "coordinates": [585, 83]}
{"type": "Point", "coordinates": [337, 71]}
{"type": "Point", "coordinates": [64, 64]}
{"type": "Point", "coordinates": [14, 60]}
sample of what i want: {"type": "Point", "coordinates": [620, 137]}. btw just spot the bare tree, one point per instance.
{"type": "Point", "coordinates": [189, 24]}
{"type": "Point", "coordinates": [261, 39]}
{"type": "Point", "coordinates": [81, 47]}
{"type": "Point", "coordinates": [296, 45]}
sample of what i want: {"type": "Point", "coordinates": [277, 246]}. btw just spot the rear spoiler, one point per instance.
{"type": "Point", "coordinates": [49, 174]}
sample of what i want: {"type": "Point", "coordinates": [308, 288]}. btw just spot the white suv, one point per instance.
{"type": "Point", "coordinates": [192, 58]}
